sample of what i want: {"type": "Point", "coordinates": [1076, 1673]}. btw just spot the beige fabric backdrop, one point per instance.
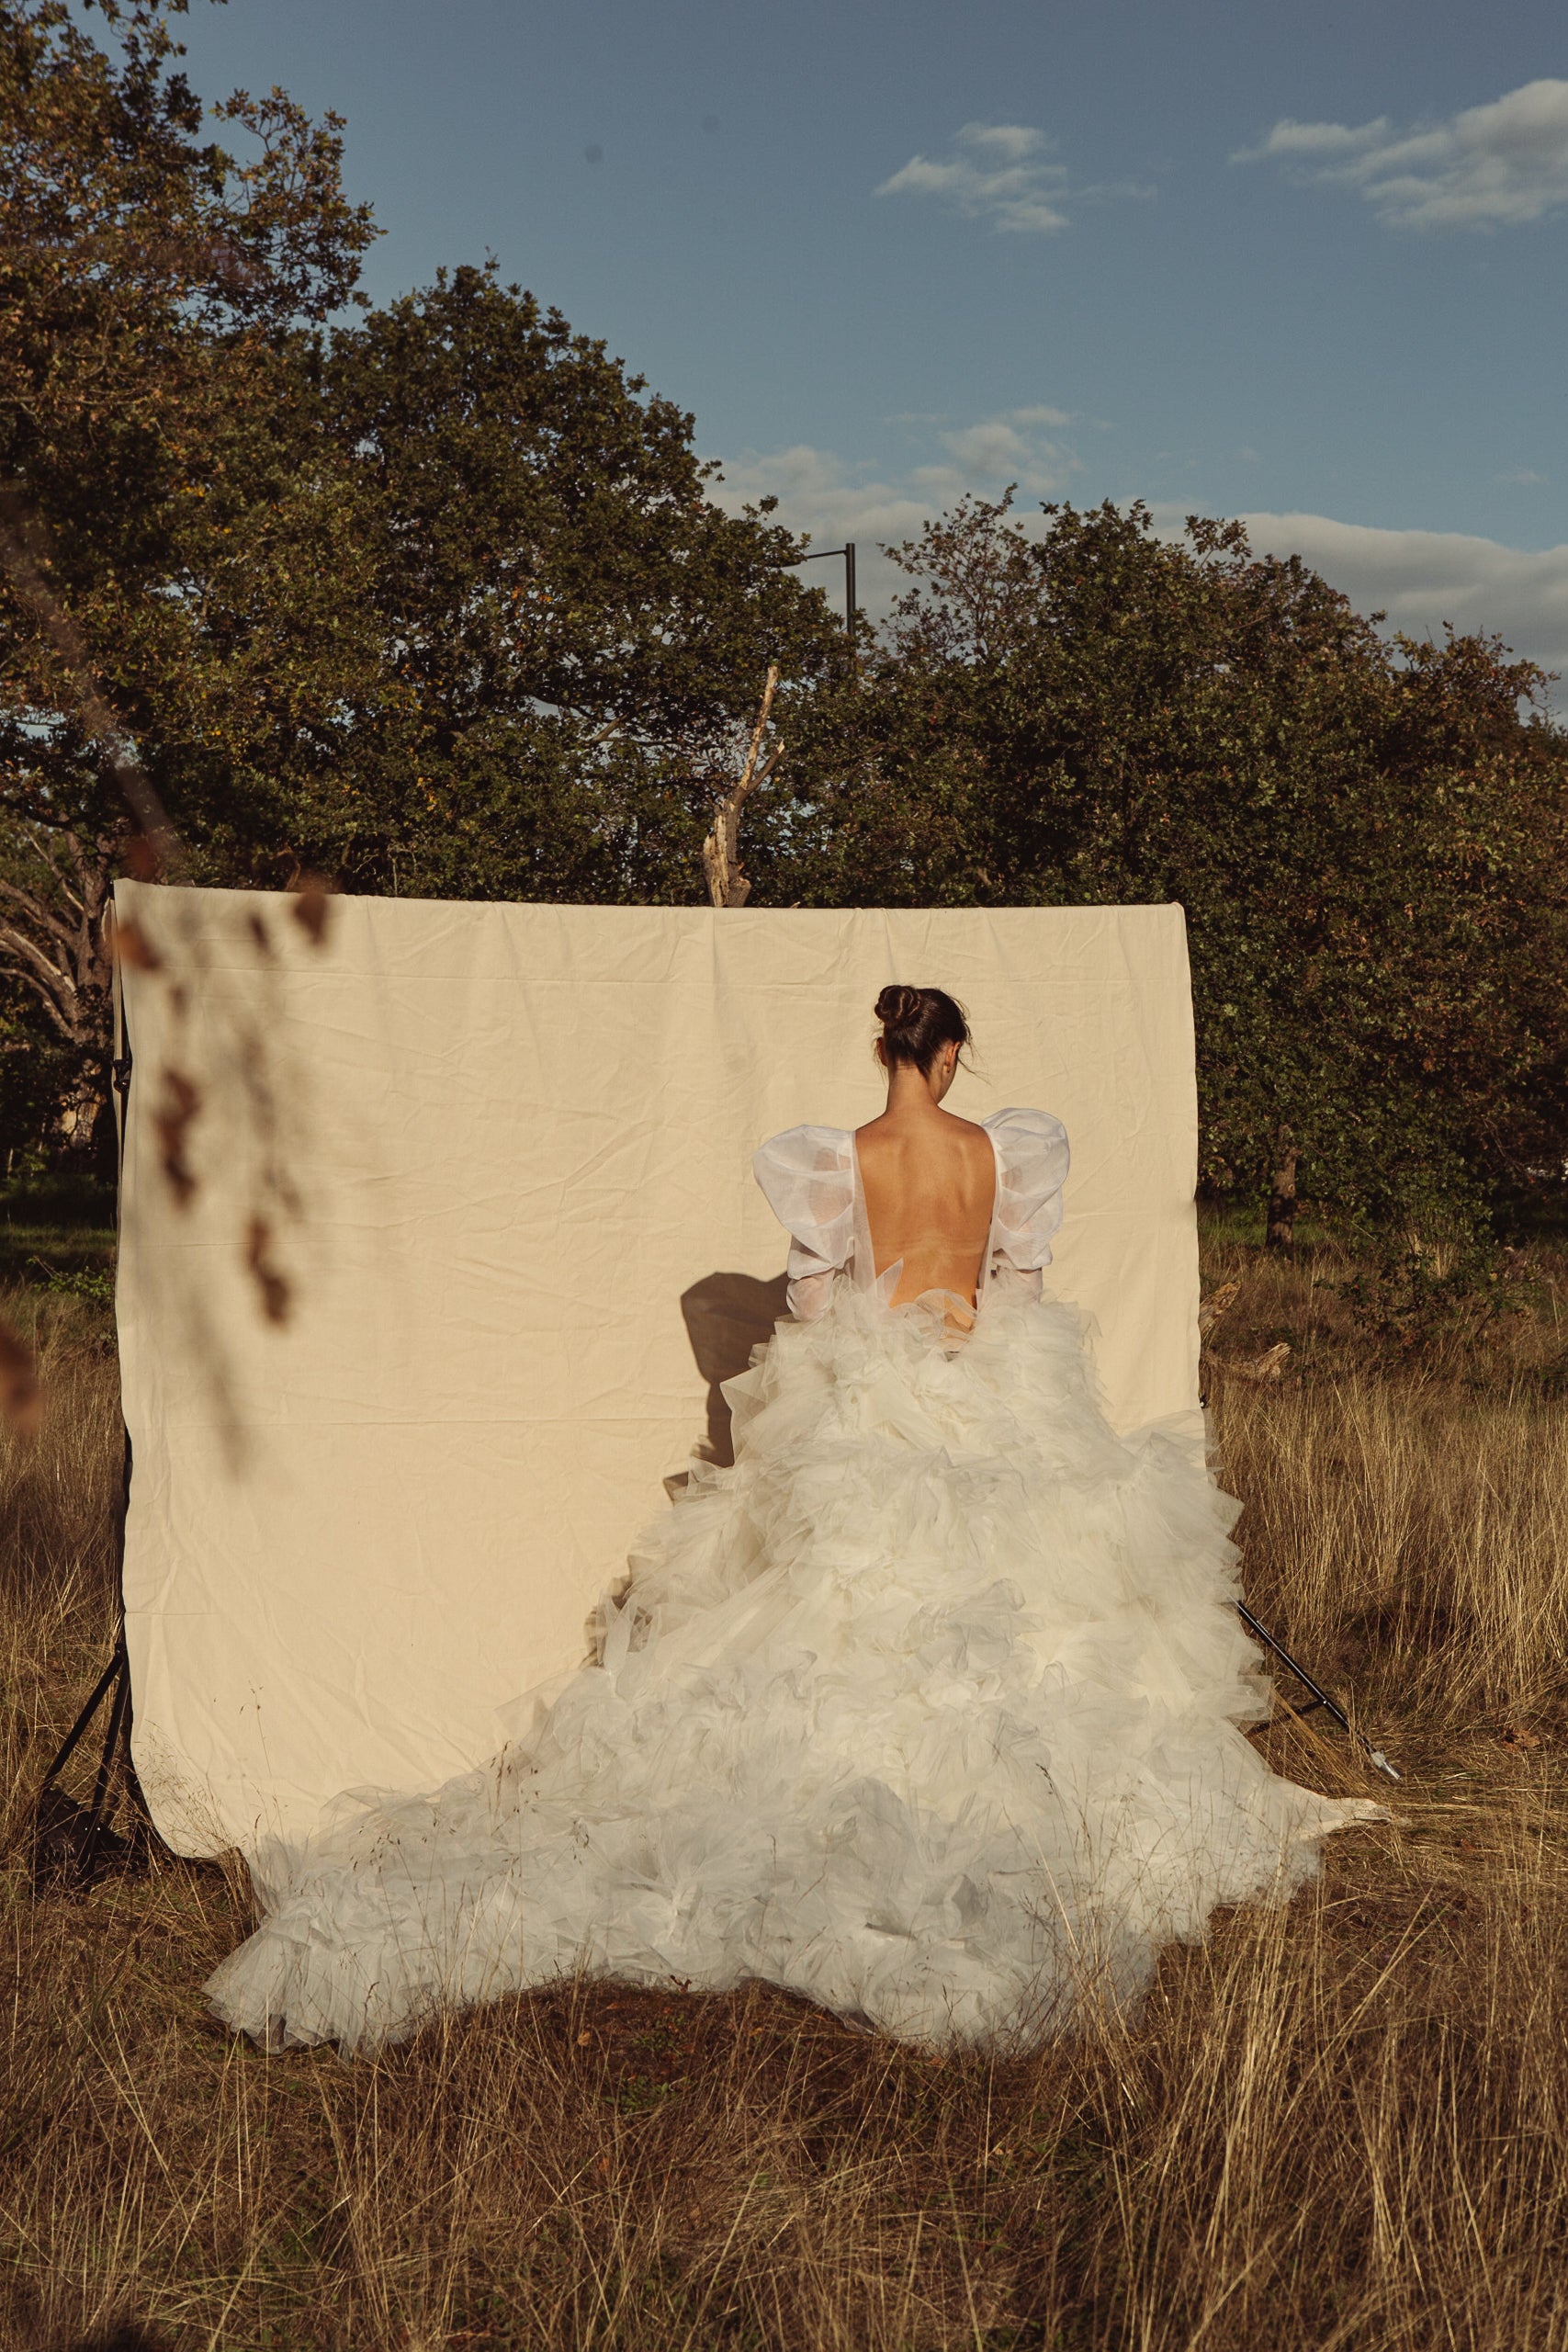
{"type": "Point", "coordinates": [493, 1150]}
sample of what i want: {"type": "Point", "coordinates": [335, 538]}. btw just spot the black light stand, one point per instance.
{"type": "Point", "coordinates": [74, 1845]}
{"type": "Point", "coordinates": [1320, 1697]}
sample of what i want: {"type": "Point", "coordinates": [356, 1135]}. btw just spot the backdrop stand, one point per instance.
{"type": "Point", "coordinates": [74, 1844]}
{"type": "Point", "coordinates": [1320, 1697]}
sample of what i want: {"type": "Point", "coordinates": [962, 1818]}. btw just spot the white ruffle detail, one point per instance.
{"type": "Point", "coordinates": [811, 1181]}
{"type": "Point", "coordinates": [928, 1708]}
{"type": "Point", "coordinates": [808, 1176]}
{"type": "Point", "coordinates": [1031, 1168]}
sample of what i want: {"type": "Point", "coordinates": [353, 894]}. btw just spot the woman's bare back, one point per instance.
{"type": "Point", "coordinates": [930, 1182]}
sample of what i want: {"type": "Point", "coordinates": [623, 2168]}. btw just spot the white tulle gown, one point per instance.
{"type": "Point", "coordinates": [927, 1709]}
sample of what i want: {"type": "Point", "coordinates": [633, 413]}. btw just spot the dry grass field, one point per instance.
{"type": "Point", "coordinates": [1342, 2125]}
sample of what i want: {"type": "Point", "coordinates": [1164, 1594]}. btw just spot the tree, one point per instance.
{"type": "Point", "coordinates": [156, 297]}
{"type": "Point", "coordinates": [1368, 844]}
{"type": "Point", "coordinates": [437, 602]}
{"type": "Point", "coordinates": [54, 886]}
{"type": "Point", "coordinates": [574, 635]}
{"type": "Point", "coordinates": [470, 624]}
{"type": "Point", "coordinates": [1483, 782]}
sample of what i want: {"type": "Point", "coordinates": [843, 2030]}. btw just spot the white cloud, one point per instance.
{"type": "Point", "coordinates": [820, 494]}
{"type": "Point", "coordinates": [999, 171]}
{"type": "Point", "coordinates": [1312, 139]}
{"type": "Point", "coordinates": [1009, 143]}
{"type": "Point", "coordinates": [1485, 167]}
{"type": "Point", "coordinates": [1003, 171]}
{"type": "Point", "coordinates": [1011, 448]}
{"type": "Point", "coordinates": [1422, 579]}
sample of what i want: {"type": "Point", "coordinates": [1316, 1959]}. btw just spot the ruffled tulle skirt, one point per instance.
{"type": "Point", "coordinates": [928, 1708]}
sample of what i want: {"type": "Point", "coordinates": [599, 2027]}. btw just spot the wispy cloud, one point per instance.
{"type": "Point", "coordinates": [1019, 446]}
{"type": "Point", "coordinates": [834, 500]}
{"type": "Point", "coordinates": [1420, 579]}
{"type": "Point", "coordinates": [1484, 168]}
{"type": "Point", "coordinates": [1423, 579]}
{"type": "Point", "coordinates": [1003, 173]}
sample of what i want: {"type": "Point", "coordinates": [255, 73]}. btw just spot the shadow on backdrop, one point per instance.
{"type": "Point", "coordinates": [726, 1317]}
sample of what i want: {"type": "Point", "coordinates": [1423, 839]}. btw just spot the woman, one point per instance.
{"type": "Point", "coordinates": [928, 1708]}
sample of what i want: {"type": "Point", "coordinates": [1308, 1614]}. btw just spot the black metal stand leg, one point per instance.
{"type": "Point", "coordinates": [78, 1728]}
{"type": "Point", "coordinates": [1320, 1697]}
{"type": "Point", "coordinates": [73, 1844]}
{"type": "Point", "coordinates": [112, 1739]}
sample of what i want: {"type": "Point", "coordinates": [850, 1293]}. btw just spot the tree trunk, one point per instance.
{"type": "Point", "coordinates": [81, 1108]}
{"type": "Point", "coordinates": [727, 887]}
{"type": "Point", "coordinates": [55, 888]}
{"type": "Point", "coordinates": [1281, 1230]}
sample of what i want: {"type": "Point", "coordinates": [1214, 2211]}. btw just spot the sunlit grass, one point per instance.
{"type": "Point", "coordinates": [1340, 2125]}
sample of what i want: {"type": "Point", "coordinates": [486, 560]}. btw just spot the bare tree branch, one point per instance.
{"type": "Point", "coordinates": [38, 912]}
{"type": "Point", "coordinates": [727, 885]}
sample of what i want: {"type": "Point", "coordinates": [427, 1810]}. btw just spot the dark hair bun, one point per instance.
{"type": "Point", "coordinates": [898, 1008]}
{"type": "Point", "coordinates": [917, 1022]}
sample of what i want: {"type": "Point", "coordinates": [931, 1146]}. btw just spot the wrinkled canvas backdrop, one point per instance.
{"type": "Point", "coordinates": [500, 1156]}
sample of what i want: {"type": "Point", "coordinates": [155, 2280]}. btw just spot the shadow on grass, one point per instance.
{"type": "Point", "coordinates": [125, 2336]}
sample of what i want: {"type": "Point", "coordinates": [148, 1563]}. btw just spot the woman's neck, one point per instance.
{"type": "Point", "coordinates": [909, 1093]}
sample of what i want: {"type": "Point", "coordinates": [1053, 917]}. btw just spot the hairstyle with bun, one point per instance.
{"type": "Point", "coordinates": [915, 1024]}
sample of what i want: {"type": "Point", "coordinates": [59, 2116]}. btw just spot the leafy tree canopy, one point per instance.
{"type": "Point", "coordinates": [438, 600]}
{"type": "Point", "coordinates": [156, 293]}
{"type": "Point", "coordinates": [1368, 841]}
{"type": "Point", "coordinates": [569, 632]}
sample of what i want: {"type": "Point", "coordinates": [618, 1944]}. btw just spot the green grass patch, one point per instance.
{"type": "Point", "coordinates": [57, 1233]}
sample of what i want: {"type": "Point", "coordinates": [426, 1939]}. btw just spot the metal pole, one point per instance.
{"type": "Point", "coordinates": [823, 554]}
{"type": "Point", "coordinates": [1320, 1697]}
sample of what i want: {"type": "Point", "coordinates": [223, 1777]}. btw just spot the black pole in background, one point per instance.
{"type": "Point", "coordinates": [820, 555]}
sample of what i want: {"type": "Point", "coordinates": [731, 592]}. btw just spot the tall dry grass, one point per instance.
{"type": "Point", "coordinates": [1339, 2125]}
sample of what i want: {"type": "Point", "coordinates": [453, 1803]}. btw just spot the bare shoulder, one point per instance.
{"type": "Point", "coordinates": [964, 1133]}
{"type": "Point", "coordinates": [970, 1139]}
{"type": "Point", "coordinates": [943, 1147]}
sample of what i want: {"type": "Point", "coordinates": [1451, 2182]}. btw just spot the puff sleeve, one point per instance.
{"type": "Point", "coordinates": [808, 1178]}
{"type": "Point", "coordinates": [1032, 1168]}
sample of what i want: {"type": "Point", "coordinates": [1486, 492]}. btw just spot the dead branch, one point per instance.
{"type": "Point", "coordinates": [727, 885]}
{"type": "Point", "coordinates": [1219, 1302]}
{"type": "Point", "coordinates": [1270, 1365]}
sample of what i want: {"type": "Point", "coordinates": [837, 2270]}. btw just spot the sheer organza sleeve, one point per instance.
{"type": "Point", "coordinates": [807, 1175]}
{"type": "Point", "coordinates": [1032, 1168]}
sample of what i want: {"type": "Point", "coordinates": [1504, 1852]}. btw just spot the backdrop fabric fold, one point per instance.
{"type": "Point", "coordinates": [438, 1236]}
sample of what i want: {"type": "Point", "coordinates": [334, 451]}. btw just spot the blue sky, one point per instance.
{"type": "Point", "coordinates": [1303, 264]}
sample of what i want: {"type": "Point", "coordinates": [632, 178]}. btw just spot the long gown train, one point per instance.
{"type": "Point", "coordinates": [929, 1708]}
